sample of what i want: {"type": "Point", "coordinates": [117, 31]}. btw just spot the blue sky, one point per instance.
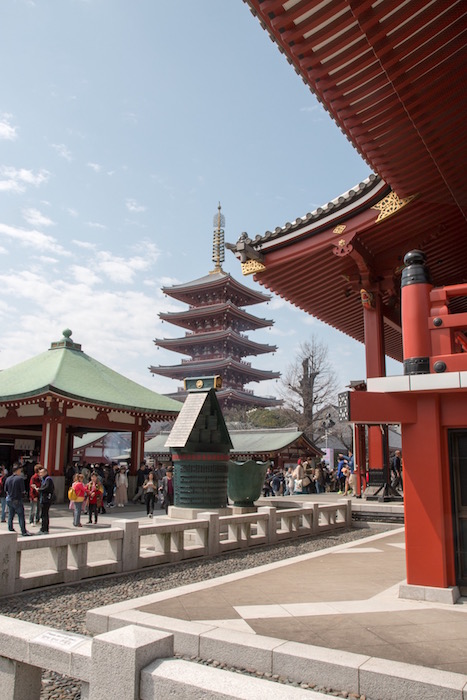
{"type": "Point", "coordinates": [122, 125]}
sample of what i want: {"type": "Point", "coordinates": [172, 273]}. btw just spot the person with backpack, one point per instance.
{"type": "Point", "coordinates": [76, 495]}
{"type": "Point", "coordinates": [46, 498]}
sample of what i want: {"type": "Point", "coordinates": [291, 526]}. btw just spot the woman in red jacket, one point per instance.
{"type": "Point", "coordinates": [95, 493]}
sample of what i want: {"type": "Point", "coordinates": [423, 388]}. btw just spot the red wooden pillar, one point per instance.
{"type": "Point", "coordinates": [427, 498]}
{"type": "Point", "coordinates": [53, 440]}
{"type": "Point", "coordinates": [137, 444]}
{"type": "Point", "coordinates": [375, 367]}
{"type": "Point", "coordinates": [360, 457]}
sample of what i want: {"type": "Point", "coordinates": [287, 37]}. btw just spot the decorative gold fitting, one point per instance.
{"type": "Point", "coordinates": [251, 266]}
{"type": "Point", "coordinates": [391, 204]}
{"type": "Point", "coordinates": [339, 229]}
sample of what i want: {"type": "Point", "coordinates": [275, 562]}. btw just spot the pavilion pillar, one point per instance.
{"type": "Point", "coordinates": [427, 498]}
{"type": "Point", "coordinates": [137, 443]}
{"type": "Point", "coordinates": [375, 367]}
{"type": "Point", "coordinates": [359, 442]}
{"type": "Point", "coordinates": [53, 442]}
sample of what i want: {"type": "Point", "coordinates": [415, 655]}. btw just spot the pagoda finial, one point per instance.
{"type": "Point", "coordinates": [218, 248]}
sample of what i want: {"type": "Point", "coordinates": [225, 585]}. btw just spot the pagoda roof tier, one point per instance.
{"type": "Point", "coordinates": [225, 310]}
{"type": "Point", "coordinates": [241, 343]}
{"type": "Point", "coordinates": [235, 396]}
{"type": "Point", "coordinates": [220, 286]}
{"type": "Point", "coordinates": [208, 367]}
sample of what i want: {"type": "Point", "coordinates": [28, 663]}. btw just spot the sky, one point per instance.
{"type": "Point", "coordinates": [122, 126]}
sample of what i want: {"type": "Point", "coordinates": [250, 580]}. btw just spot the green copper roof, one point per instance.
{"type": "Point", "coordinates": [66, 370]}
{"type": "Point", "coordinates": [246, 441]}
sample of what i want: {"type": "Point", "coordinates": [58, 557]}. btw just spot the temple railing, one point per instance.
{"type": "Point", "coordinates": [131, 546]}
{"type": "Point", "coordinates": [448, 331]}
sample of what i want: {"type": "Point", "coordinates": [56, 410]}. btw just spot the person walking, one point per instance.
{"type": "Point", "coordinates": [78, 495]}
{"type": "Point", "coordinates": [121, 488]}
{"type": "Point", "coordinates": [150, 490]}
{"type": "Point", "coordinates": [46, 495]}
{"type": "Point", "coordinates": [15, 492]}
{"type": "Point", "coordinates": [34, 484]}
{"type": "Point", "coordinates": [141, 477]}
{"type": "Point", "coordinates": [167, 489]}
{"type": "Point", "coordinates": [95, 493]}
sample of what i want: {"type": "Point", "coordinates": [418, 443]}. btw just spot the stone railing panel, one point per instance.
{"type": "Point", "coordinates": [130, 546]}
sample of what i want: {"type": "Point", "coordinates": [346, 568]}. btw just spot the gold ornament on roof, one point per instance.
{"type": "Point", "coordinates": [250, 267]}
{"type": "Point", "coordinates": [390, 204]}
{"type": "Point", "coordinates": [339, 229]}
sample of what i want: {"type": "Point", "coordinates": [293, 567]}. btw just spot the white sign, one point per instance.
{"type": "Point", "coordinates": [59, 640]}
{"type": "Point", "coordinates": [24, 445]}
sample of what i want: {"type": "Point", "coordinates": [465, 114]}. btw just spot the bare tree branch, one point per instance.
{"type": "Point", "coordinates": [309, 383]}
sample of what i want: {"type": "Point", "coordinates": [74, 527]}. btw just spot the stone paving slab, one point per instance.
{"type": "Point", "coordinates": [343, 598]}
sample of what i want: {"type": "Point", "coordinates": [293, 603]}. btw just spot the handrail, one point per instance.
{"type": "Point", "coordinates": [132, 546]}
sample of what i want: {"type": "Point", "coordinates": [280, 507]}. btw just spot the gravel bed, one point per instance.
{"type": "Point", "coordinates": [64, 607]}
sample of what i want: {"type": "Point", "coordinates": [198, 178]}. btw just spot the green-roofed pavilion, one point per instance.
{"type": "Point", "coordinates": [47, 400]}
{"type": "Point", "coordinates": [283, 445]}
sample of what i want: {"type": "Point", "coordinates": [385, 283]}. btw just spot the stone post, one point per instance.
{"type": "Point", "coordinates": [272, 522]}
{"type": "Point", "coordinates": [213, 537]}
{"type": "Point", "coordinates": [118, 658]}
{"type": "Point", "coordinates": [130, 546]}
{"type": "Point", "coordinates": [7, 562]}
{"type": "Point", "coordinates": [19, 681]}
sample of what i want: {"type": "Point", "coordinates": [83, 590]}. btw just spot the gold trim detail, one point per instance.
{"type": "Point", "coordinates": [390, 204]}
{"type": "Point", "coordinates": [339, 229]}
{"type": "Point", "coordinates": [251, 266]}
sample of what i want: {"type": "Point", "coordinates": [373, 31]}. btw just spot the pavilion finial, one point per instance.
{"type": "Point", "coordinates": [218, 247]}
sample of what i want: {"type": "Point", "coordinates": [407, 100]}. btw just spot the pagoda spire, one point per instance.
{"type": "Point", "coordinates": [218, 247]}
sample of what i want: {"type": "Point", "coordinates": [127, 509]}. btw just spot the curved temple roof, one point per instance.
{"type": "Point", "coordinates": [66, 370]}
{"type": "Point", "coordinates": [392, 76]}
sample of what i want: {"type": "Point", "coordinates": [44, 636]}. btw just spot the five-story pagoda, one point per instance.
{"type": "Point", "coordinates": [215, 323]}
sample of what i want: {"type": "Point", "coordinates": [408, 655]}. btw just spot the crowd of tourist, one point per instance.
{"type": "Point", "coordinates": [311, 476]}
{"type": "Point", "coordinates": [107, 486]}
{"type": "Point", "coordinates": [90, 490]}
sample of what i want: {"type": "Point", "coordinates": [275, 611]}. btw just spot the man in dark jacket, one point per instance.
{"type": "Point", "coordinates": [141, 476]}
{"type": "Point", "coordinates": [15, 492]}
{"type": "Point", "coordinates": [46, 494]}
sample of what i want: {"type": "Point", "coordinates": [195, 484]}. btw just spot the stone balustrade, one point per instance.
{"type": "Point", "coordinates": [131, 545]}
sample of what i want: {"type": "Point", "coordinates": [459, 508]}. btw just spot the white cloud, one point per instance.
{"type": "Point", "coordinates": [47, 259]}
{"type": "Point", "coordinates": [130, 117]}
{"type": "Point", "coordinates": [72, 212]}
{"type": "Point", "coordinates": [3, 251]}
{"type": "Point", "coordinates": [83, 275]}
{"type": "Point", "coordinates": [120, 269]}
{"type": "Point", "coordinates": [94, 224]}
{"type": "Point", "coordinates": [111, 327]}
{"type": "Point", "coordinates": [17, 179]}
{"type": "Point", "coordinates": [35, 218]}
{"type": "Point", "coordinates": [132, 205]}
{"type": "Point", "coordinates": [34, 239]}
{"type": "Point", "coordinates": [62, 151]}
{"type": "Point", "coordinates": [95, 166]}
{"type": "Point", "coordinates": [7, 131]}
{"type": "Point", "coordinates": [85, 244]}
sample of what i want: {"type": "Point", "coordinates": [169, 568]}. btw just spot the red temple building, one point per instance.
{"type": "Point", "coordinates": [215, 323]}
{"type": "Point", "coordinates": [392, 77]}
